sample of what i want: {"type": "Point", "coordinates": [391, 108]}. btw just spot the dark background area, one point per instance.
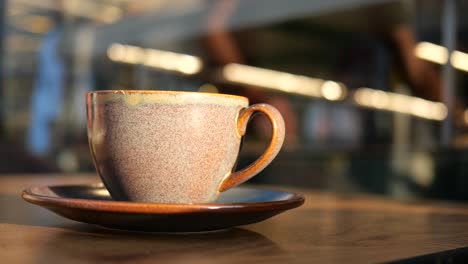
{"type": "Point", "coordinates": [53, 52]}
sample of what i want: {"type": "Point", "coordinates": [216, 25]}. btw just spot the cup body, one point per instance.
{"type": "Point", "coordinates": [163, 147]}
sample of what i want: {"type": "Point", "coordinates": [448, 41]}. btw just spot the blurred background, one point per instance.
{"type": "Point", "coordinates": [372, 91]}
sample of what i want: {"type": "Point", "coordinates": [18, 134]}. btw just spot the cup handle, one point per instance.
{"type": "Point", "coordinates": [276, 142]}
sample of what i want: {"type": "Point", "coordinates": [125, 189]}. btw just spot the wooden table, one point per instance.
{"type": "Point", "coordinates": [326, 229]}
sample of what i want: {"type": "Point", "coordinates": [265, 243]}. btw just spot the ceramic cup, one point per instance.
{"type": "Point", "coordinates": [173, 147]}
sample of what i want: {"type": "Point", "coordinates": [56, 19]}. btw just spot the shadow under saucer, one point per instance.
{"type": "Point", "coordinates": [87, 244]}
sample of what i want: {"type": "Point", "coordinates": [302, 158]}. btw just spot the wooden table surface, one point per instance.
{"type": "Point", "coordinates": [326, 229]}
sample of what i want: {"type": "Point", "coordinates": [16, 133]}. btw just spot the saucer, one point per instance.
{"type": "Point", "coordinates": [92, 204]}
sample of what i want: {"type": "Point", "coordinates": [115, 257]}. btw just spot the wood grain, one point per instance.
{"type": "Point", "coordinates": [327, 229]}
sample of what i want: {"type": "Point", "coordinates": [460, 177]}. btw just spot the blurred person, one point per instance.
{"type": "Point", "coordinates": [224, 49]}
{"type": "Point", "coordinates": [387, 22]}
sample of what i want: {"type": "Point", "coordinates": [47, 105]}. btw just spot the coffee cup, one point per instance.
{"type": "Point", "coordinates": [173, 147]}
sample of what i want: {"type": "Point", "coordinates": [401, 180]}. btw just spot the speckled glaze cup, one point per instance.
{"type": "Point", "coordinates": [173, 147]}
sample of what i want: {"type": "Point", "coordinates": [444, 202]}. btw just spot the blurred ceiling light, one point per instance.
{"type": "Point", "coordinates": [133, 55]}
{"type": "Point", "coordinates": [379, 100]}
{"type": "Point", "coordinates": [420, 107]}
{"type": "Point", "coordinates": [431, 52]}
{"type": "Point", "coordinates": [165, 60]}
{"type": "Point", "coordinates": [439, 111]}
{"type": "Point", "coordinates": [189, 64]}
{"type": "Point", "coordinates": [460, 60]}
{"type": "Point", "coordinates": [332, 91]}
{"type": "Point", "coordinates": [208, 88]}
{"type": "Point", "coordinates": [116, 52]}
{"type": "Point", "coordinates": [439, 54]}
{"type": "Point", "coordinates": [95, 10]}
{"type": "Point", "coordinates": [400, 103]}
{"type": "Point", "coordinates": [282, 81]}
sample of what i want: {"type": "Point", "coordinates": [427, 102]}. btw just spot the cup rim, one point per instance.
{"type": "Point", "coordinates": [128, 92]}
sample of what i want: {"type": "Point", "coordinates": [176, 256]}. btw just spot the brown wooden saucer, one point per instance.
{"type": "Point", "coordinates": [92, 204]}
